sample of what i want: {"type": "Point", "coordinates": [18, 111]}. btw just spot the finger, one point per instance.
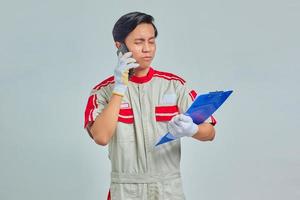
{"type": "Point", "coordinates": [185, 118]}
{"type": "Point", "coordinates": [127, 55]}
{"type": "Point", "coordinates": [177, 122]}
{"type": "Point", "coordinates": [132, 65]}
{"type": "Point", "coordinates": [175, 118]}
{"type": "Point", "coordinates": [174, 126]}
{"type": "Point", "coordinates": [179, 118]}
{"type": "Point", "coordinates": [130, 60]}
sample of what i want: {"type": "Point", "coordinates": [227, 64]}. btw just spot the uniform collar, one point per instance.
{"type": "Point", "coordinates": [143, 79]}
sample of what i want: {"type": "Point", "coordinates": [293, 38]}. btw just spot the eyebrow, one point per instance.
{"type": "Point", "coordinates": [142, 39]}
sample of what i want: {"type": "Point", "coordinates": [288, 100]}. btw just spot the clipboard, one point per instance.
{"type": "Point", "coordinates": [201, 109]}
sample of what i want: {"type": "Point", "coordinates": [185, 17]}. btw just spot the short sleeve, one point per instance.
{"type": "Point", "coordinates": [97, 101]}
{"type": "Point", "coordinates": [186, 98]}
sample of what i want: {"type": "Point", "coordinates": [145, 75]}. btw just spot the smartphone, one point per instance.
{"type": "Point", "coordinates": [123, 49]}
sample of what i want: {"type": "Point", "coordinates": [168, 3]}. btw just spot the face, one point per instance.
{"type": "Point", "coordinates": [141, 42]}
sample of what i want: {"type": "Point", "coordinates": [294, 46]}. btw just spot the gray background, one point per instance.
{"type": "Point", "coordinates": [53, 52]}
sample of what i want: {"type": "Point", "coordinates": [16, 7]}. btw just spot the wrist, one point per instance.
{"type": "Point", "coordinates": [194, 130]}
{"type": "Point", "coordinates": [119, 89]}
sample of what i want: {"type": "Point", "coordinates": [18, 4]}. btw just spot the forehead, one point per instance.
{"type": "Point", "coordinates": [143, 30]}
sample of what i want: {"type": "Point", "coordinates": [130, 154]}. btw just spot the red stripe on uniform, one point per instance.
{"type": "Point", "coordinates": [169, 75]}
{"type": "Point", "coordinates": [193, 94]}
{"type": "Point", "coordinates": [94, 106]}
{"type": "Point", "coordinates": [164, 118]}
{"type": "Point", "coordinates": [169, 111]}
{"type": "Point", "coordinates": [169, 78]}
{"type": "Point", "coordinates": [166, 109]}
{"type": "Point", "coordinates": [95, 101]}
{"type": "Point", "coordinates": [126, 115]}
{"type": "Point", "coordinates": [90, 106]}
{"type": "Point", "coordinates": [108, 195]}
{"type": "Point", "coordinates": [104, 83]}
{"type": "Point", "coordinates": [126, 111]}
{"type": "Point", "coordinates": [213, 121]}
{"type": "Point", "coordinates": [126, 120]}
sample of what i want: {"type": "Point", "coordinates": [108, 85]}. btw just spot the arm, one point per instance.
{"type": "Point", "coordinates": [182, 125]}
{"type": "Point", "coordinates": [206, 132]}
{"type": "Point", "coordinates": [105, 124]}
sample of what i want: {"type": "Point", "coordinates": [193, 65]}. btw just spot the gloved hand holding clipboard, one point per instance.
{"type": "Point", "coordinates": [201, 109]}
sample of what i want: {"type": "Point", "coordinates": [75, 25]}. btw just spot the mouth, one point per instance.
{"type": "Point", "coordinates": [147, 58]}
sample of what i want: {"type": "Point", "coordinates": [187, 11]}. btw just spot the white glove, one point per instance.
{"type": "Point", "coordinates": [125, 62]}
{"type": "Point", "coordinates": [182, 125]}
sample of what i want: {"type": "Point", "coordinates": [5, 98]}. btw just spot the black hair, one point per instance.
{"type": "Point", "coordinates": [128, 23]}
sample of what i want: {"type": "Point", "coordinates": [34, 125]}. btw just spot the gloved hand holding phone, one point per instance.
{"type": "Point", "coordinates": [121, 72]}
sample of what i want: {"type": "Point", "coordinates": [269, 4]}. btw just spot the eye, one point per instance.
{"type": "Point", "coordinates": [152, 41]}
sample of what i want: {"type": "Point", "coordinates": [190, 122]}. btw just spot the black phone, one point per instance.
{"type": "Point", "coordinates": [123, 49]}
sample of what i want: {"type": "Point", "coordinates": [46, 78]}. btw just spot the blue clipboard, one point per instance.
{"type": "Point", "coordinates": [201, 109]}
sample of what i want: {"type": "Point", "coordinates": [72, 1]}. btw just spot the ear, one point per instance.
{"type": "Point", "coordinates": [117, 44]}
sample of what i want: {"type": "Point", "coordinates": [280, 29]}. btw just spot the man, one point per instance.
{"type": "Point", "coordinates": [131, 115]}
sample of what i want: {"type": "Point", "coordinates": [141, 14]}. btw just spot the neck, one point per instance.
{"type": "Point", "coordinates": [141, 71]}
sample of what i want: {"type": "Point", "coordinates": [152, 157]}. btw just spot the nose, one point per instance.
{"type": "Point", "coordinates": [146, 47]}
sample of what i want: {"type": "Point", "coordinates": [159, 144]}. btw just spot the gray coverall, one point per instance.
{"type": "Point", "coordinates": [140, 170]}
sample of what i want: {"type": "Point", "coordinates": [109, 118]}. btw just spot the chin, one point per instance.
{"type": "Point", "coordinates": [145, 65]}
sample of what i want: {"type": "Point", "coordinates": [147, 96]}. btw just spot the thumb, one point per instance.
{"type": "Point", "coordinates": [185, 118]}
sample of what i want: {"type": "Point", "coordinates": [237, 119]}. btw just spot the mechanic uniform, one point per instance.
{"type": "Point", "coordinates": [141, 171]}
